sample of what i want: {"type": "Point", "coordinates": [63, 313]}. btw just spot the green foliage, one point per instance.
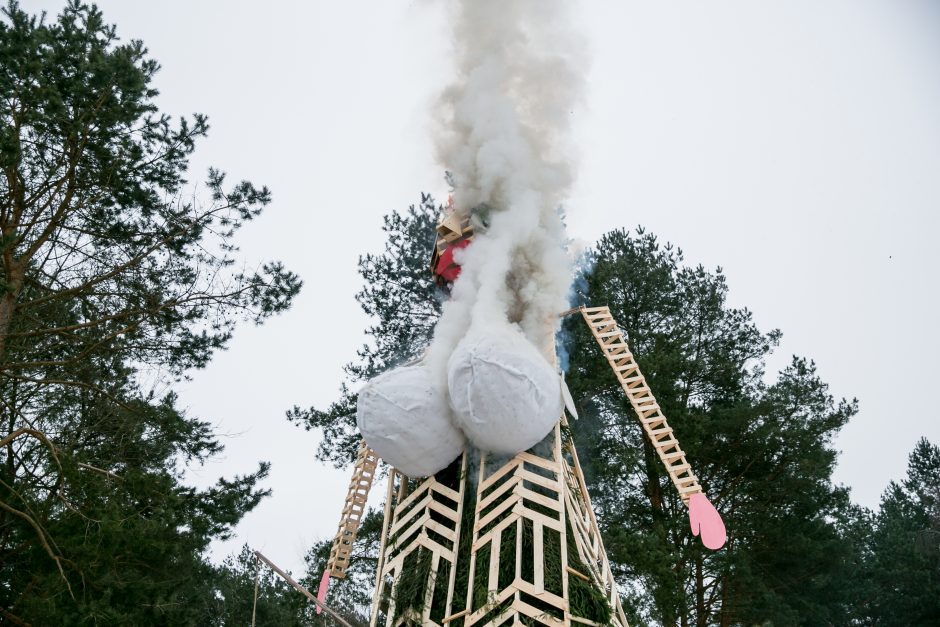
{"type": "Point", "coordinates": [132, 543]}
{"type": "Point", "coordinates": [234, 585]}
{"type": "Point", "coordinates": [412, 586]}
{"type": "Point", "coordinates": [114, 283]}
{"type": "Point", "coordinates": [903, 570]}
{"type": "Point", "coordinates": [761, 451]}
{"type": "Point", "coordinates": [585, 599]}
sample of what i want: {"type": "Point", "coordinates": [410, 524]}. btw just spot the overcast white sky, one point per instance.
{"type": "Point", "coordinates": [795, 144]}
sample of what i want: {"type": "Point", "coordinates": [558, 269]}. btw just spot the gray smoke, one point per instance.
{"type": "Point", "coordinates": [504, 131]}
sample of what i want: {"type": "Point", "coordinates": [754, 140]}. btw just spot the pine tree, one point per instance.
{"type": "Point", "coordinates": [235, 583]}
{"type": "Point", "coordinates": [903, 569]}
{"type": "Point", "coordinates": [762, 452]}
{"type": "Point", "coordinates": [115, 281]}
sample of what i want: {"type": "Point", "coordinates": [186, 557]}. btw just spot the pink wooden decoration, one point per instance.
{"type": "Point", "coordinates": [324, 586]}
{"type": "Point", "coordinates": [706, 520]}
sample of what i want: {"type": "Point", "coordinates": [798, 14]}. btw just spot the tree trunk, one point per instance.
{"type": "Point", "coordinates": [727, 593]}
{"type": "Point", "coordinates": [14, 283]}
{"type": "Point", "coordinates": [701, 612]}
{"type": "Point", "coordinates": [672, 616]}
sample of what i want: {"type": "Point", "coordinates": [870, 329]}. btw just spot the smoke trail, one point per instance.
{"type": "Point", "coordinates": [504, 132]}
{"type": "Point", "coordinates": [584, 261]}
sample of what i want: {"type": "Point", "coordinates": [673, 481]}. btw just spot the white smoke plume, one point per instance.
{"type": "Point", "coordinates": [504, 134]}
{"type": "Point", "coordinates": [504, 128]}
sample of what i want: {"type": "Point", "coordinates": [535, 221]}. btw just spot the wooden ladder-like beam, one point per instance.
{"type": "Point", "coordinates": [615, 348]}
{"type": "Point", "coordinates": [353, 510]}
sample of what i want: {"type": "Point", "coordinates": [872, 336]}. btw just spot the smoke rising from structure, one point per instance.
{"type": "Point", "coordinates": [582, 268]}
{"type": "Point", "coordinates": [504, 133]}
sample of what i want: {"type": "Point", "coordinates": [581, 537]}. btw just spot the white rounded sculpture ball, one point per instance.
{"type": "Point", "coordinates": [505, 395]}
{"type": "Point", "coordinates": [406, 420]}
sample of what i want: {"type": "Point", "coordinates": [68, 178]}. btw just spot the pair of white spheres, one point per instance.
{"type": "Point", "coordinates": [502, 395]}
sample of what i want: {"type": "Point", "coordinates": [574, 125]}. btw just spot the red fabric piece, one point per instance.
{"type": "Point", "coordinates": [324, 586]}
{"type": "Point", "coordinates": [706, 520]}
{"type": "Point", "coordinates": [446, 266]}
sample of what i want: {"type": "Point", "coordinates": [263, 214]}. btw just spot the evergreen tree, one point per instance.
{"type": "Point", "coordinates": [903, 569]}
{"type": "Point", "coordinates": [113, 283]}
{"type": "Point", "coordinates": [236, 582]}
{"type": "Point", "coordinates": [761, 452]}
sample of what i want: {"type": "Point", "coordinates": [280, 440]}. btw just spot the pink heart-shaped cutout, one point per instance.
{"type": "Point", "coordinates": [706, 520]}
{"type": "Point", "coordinates": [324, 586]}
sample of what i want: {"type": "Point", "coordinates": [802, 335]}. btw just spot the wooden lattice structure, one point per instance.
{"type": "Point", "coordinates": [503, 544]}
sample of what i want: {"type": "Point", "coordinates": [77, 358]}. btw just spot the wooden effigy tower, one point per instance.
{"type": "Point", "coordinates": [494, 541]}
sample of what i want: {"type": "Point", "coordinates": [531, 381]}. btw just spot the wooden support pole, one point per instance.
{"type": "Point", "coordinates": [455, 616]}
{"type": "Point", "coordinates": [254, 607]}
{"type": "Point", "coordinates": [303, 590]}
{"type": "Point", "coordinates": [577, 574]}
